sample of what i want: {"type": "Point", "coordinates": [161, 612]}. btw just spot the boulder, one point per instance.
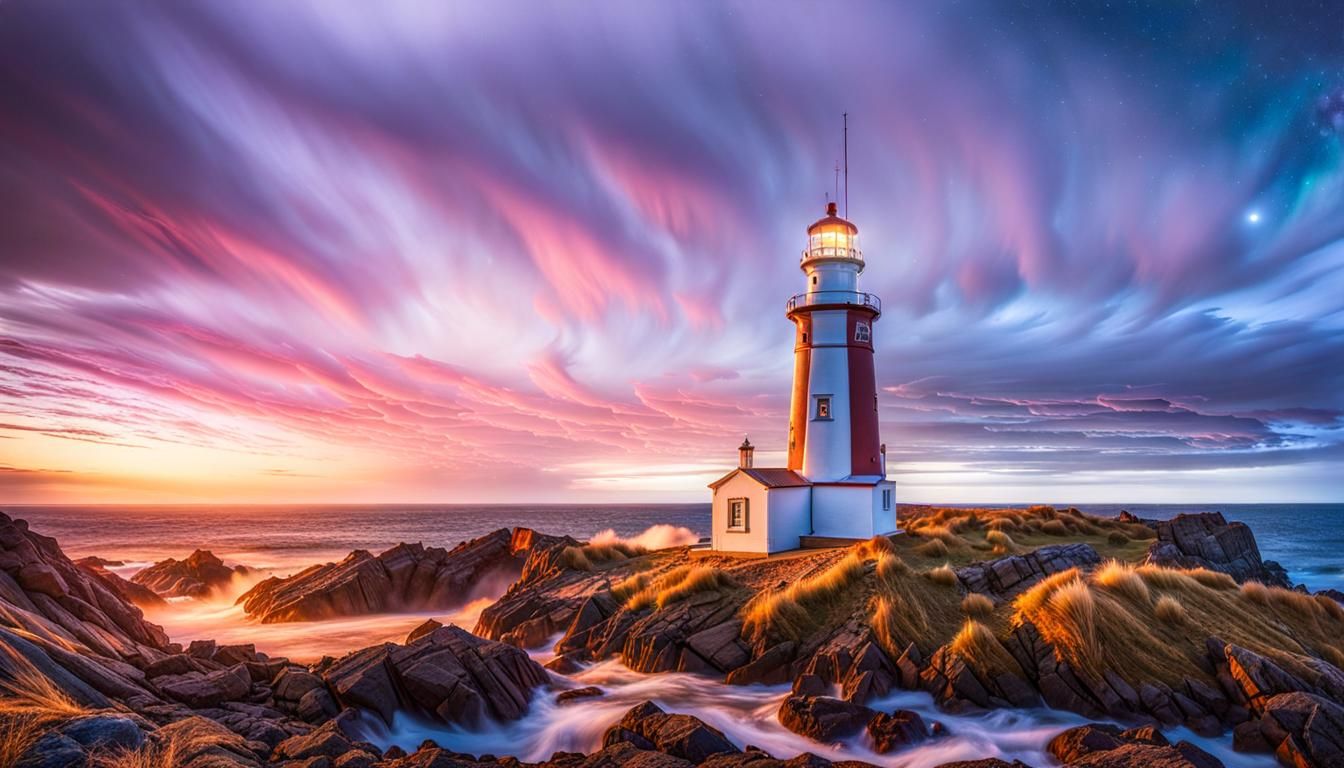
{"type": "Point", "coordinates": [104, 732]}
{"type": "Point", "coordinates": [1304, 729]}
{"type": "Point", "coordinates": [197, 576]}
{"type": "Point", "coordinates": [1101, 745]}
{"type": "Point", "coordinates": [823, 718]}
{"type": "Point", "coordinates": [894, 731]}
{"type": "Point", "coordinates": [449, 674]}
{"type": "Point", "coordinates": [126, 590]}
{"type": "Point", "coordinates": [646, 726]}
{"type": "Point", "coordinates": [407, 577]}
{"type": "Point", "coordinates": [575, 694]}
{"type": "Point", "coordinates": [1208, 540]}
{"type": "Point", "coordinates": [333, 739]}
{"type": "Point", "coordinates": [207, 690]}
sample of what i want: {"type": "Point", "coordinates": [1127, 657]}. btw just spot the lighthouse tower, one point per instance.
{"type": "Point", "coordinates": [834, 488]}
{"type": "Point", "coordinates": [833, 412]}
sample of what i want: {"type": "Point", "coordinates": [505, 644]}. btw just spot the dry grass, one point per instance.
{"type": "Point", "coordinates": [1122, 579]}
{"type": "Point", "coordinates": [1054, 528]}
{"type": "Point", "coordinates": [629, 587]}
{"type": "Point", "coordinates": [976, 604]}
{"type": "Point", "coordinates": [943, 575]}
{"type": "Point", "coordinates": [1212, 579]}
{"type": "Point", "coordinates": [1001, 542]}
{"type": "Point", "coordinates": [589, 557]}
{"type": "Point", "coordinates": [977, 644]}
{"type": "Point", "coordinates": [934, 548]}
{"type": "Point", "coordinates": [1169, 610]}
{"type": "Point", "coordinates": [679, 584]}
{"type": "Point", "coordinates": [1097, 623]}
{"type": "Point", "coordinates": [31, 703]}
{"type": "Point", "coordinates": [1117, 538]}
{"type": "Point", "coordinates": [1255, 592]}
{"type": "Point", "coordinates": [891, 566]}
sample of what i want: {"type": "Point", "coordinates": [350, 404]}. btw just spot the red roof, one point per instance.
{"type": "Point", "coordinates": [770, 477]}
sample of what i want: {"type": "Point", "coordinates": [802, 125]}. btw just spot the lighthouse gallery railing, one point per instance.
{"type": "Point", "coordinates": [820, 298]}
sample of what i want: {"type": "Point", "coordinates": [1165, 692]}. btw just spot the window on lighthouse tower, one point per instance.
{"type": "Point", "coordinates": [824, 407]}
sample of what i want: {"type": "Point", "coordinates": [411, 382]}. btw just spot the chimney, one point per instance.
{"type": "Point", "coordinates": [744, 452]}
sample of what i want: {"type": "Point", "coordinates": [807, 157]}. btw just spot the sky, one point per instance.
{"type": "Point", "coordinates": [539, 252]}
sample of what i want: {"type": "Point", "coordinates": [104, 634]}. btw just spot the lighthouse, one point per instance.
{"type": "Point", "coordinates": [834, 488]}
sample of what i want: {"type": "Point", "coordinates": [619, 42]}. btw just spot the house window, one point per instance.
{"type": "Point", "coordinates": [886, 499]}
{"type": "Point", "coordinates": [824, 407]}
{"type": "Point", "coordinates": [863, 333]}
{"type": "Point", "coordinates": [737, 515]}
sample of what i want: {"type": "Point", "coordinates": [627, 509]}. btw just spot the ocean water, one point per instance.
{"type": "Point", "coordinates": [1307, 539]}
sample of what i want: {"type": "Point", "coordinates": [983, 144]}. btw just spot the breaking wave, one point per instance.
{"type": "Point", "coordinates": [660, 536]}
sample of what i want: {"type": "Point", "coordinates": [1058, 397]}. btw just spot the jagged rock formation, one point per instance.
{"type": "Point", "coordinates": [128, 590]}
{"type": "Point", "coordinates": [1208, 540]}
{"type": "Point", "coordinates": [407, 577]}
{"type": "Point", "coordinates": [1009, 575]}
{"type": "Point", "coordinates": [197, 576]}
{"type": "Point", "coordinates": [449, 674]}
{"type": "Point", "coordinates": [1101, 745]}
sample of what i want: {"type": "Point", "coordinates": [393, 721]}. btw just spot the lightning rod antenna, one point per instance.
{"type": "Point", "coordinates": [837, 181]}
{"type": "Point", "coordinates": [846, 165]}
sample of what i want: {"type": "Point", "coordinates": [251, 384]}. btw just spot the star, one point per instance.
{"type": "Point", "coordinates": [1253, 217]}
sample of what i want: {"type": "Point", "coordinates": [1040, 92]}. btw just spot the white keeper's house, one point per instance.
{"type": "Point", "coordinates": [835, 486]}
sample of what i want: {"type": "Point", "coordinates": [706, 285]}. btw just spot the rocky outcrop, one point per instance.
{"type": "Point", "coordinates": [197, 576]}
{"type": "Point", "coordinates": [1007, 576]}
{"type": "Point", "coordinates": [127, 590]}
{"type": "Point", "coordinates": [407, 577]}
{"type": "Point", "coordinates": [648, 727]}
{"type": "Point", "coordinates": [827, 719]}
{"type": "Point", "coordinates": [43, 593]}
{"type": "Point", "coordinates": [1208, 540]}
{"type": "Point", "coordinates": [449, 674]}
{"type": "Point", "coordinates": [1102, 745]}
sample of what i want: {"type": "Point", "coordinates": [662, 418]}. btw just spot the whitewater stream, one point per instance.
{"type": "Point", "coordinates": [746, 715]}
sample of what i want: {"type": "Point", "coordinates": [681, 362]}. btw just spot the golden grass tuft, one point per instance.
{"type": "Point", "coordinates": [629, 587]}
{"type": "Point", "coordinates": [1255, 592]}
{"type": "Point", "coordinates": [896, 621]}
{"type": "Point", "coordinates": [587, 557]}
{"type": "Point", "coordinates": [943, 575]}
{"type": "Point", "coordinates": [976, 604]}
{"type": "Point", "coordinates": [977, 644]}
{"type": "Point", "coordinates": [1212, 579]}
{"type": "Point", "coordinates": [794, 611]}
{"type": "Point", "coordinates": [1002, 543]}
{"type": "Point", "coordinates": [1122, 579]}
{"type": "Point", "coordinates": [1070, 614]}
{"type": "Point", "coordinates": [679, 584]}
{"type": "Point", "coordinates": [891, 566]}
{"type": "Point", "coordinates": [30, 703]}
{"type": "Point", "coordinates": [1054, 528]}
{"type": "Point", "coordinates": [876, 547]}
{"type": "Point", "coordinates": [934, 548]}
{"type": "Point", "coordinates": [1030, 602]}
{"type": "Point", "coordinates": [1169, 610]}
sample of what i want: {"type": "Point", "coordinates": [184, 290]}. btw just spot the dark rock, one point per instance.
{"type": "Point", "coordinates": [810, 685]}
{"type": "Point", "coordinates": [420, 631]}
{"type": "Point", "coordinates": [1006, 576]}
{"type": "Point", "coordinates": [197, 576]}
{"type": "Point", "coordinates": [449, 673]}
{"type": "Point", "coordinates": [988, 762]}
{"type": "Point", "coordinates": [823, 718]}
{"type": "Point", "coordinates": [126, 590]}
{"type": "Point", "coordinates": [770, 667]}
{"type": "Point", "coordinates": [1075, 743]}
{"type": "Point", "coordinates": [1312, 729]}
{"type": "Point", "coordinates": [334, 738]}
{"type": "Point", "coordinates": [407, 577]}
{"type": "Point", "coordinates": [53, 750]}
{"type": "Point", "coordinates": [901, 728]}
{"type": "Point", "coordinates": [1258, 678]}
{"type": "Point", "coordinates": [1208, 540]}
{"type": "Point", "coordinates": [292, 683]}
{"type": "Point", "coordinates": [204, 743]}
{"type": "Point", "coordinates": [207, 690]}
{"type": "Point", "coordinates": [1101, 745]}
{"type": "Point", "coordinates": [681, 736]}
{"type": "Point", "coordinates": [578, 693]}
{"type": "Point", "coordinates": [108, 732]}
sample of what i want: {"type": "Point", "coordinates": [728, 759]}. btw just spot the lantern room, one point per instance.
{"type": "Point", "coordinates": [832, 238]}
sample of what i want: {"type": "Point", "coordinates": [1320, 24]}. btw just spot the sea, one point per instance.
{"type": "Point", "coordinates": [1307, 539]}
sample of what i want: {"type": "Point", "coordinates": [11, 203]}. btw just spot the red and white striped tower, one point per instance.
{"type": "Point", "coordinates": [833, 425]}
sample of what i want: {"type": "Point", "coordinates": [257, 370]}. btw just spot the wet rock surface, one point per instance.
{"type": "Point", "coordinates": [196, 576]}
{"type": "Point", "coordinates": [407, 577]}
{"type": "Point", "coordinates": [1102, 745]}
